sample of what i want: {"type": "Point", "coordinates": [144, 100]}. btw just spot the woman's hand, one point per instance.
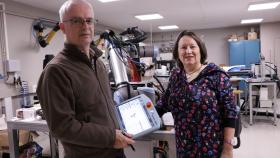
{"type": "Point", "coordinates": [227, 145]}
{"type": "Point", "coordinates": [227, 151]}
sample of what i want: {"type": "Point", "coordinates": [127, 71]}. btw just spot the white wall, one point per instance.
{"type": "Point", "coordinates": [23, 46]}
{"type": "Point", "coordinates": [215, 40]}
{"type": "Point", "coordinates": [270, 46]}
{"type": "Point", "coordinates": [270, 42]}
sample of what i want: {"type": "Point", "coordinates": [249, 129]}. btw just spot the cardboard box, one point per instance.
{"type": "Point", "coordinates": [241, 37]}
{"type": "Point", "coordinates": [232, 37]}
{"type": "Point", "coordinates": [252, 35]}
{"type": "Point", "coordinates": [4, 141]}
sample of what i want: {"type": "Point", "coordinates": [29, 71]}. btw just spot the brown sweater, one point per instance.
{"type": "Point", "coordinates": [76, 99]}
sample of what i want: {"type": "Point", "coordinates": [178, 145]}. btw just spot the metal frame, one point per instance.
{"type": "Point", "coordinates": [262, 83]}
{"type": "Point", "coordinates": [15, 125]}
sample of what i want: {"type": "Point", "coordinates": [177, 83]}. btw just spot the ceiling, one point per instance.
{"type": "Point", "coordinates": [187, 14]}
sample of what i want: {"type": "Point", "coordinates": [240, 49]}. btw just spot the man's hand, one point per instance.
{"type": "Point", "coordinates": [122, 141]}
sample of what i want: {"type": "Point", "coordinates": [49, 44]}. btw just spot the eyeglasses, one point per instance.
{"type": "Point", "coordinates": [81, 21]}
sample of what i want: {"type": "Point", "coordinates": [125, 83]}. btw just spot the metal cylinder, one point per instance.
{"type": "Point", "coordinates": [117, 66]}
{"type": "Point", "coordinates": [146, 51]}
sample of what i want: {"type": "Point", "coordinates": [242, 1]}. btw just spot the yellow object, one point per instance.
{"type": "Point", "coordinates": [50, 36]}
{"type": "Point", "coordinates": [237, 91]}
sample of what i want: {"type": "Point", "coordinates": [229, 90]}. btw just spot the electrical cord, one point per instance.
{"type": "Point", "coordinates": [156, 78]}
{"type": "Point", "coordinates": [119, 47]}
{"type": "Point", "coordinates": [275, 77]}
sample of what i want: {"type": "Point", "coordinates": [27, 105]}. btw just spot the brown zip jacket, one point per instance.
{"type": "Point", "coordinates": [76, 99]}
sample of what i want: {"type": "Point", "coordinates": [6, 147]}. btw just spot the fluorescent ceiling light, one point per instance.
{"type": "Point", "coordinates": [149, 17]}
{"type": "Point", "coordinates": [264, 5]}
{"type": "Point", "coordinates": [105, 1]}
{"type": "Point", "coordinates": [248, 21]}
{"type": "Point", "coordinates": [169, 27]}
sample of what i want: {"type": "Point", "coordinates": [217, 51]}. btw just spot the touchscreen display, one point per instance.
{"type": "Point", "coordinates": [134, 117]}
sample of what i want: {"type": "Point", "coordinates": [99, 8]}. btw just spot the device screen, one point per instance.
{"type": "Point", "coordinates": [134, 117]}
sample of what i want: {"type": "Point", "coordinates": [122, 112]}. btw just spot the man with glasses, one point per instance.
{"type": "Point", "coordinates": [74, 91]}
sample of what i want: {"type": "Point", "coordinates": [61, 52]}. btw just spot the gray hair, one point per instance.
{"type": "Point", "coordinates": [66, 5]}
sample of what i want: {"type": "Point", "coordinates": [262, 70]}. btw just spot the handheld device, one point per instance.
{"type": "Point", "coordinates": [138, 116]}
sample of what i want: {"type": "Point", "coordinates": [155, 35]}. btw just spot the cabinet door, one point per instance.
{"type": "Point", "coordinates": [252, 49]}
{"type": "Point", "coordinates": [236, 53]}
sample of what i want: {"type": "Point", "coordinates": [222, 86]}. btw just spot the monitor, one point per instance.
{"type": "Point", "coordinates": [138, 116]}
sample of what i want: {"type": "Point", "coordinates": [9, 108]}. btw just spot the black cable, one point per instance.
{"type": "Point", "coordinates": [120, 55]}
{"type": "Point", "coordinates": [157, 87]}
{"type": "Point", "coordinates": [139, 35]}
{"type": "Point", "coordinates": [119, 48]}
{"type": "Point", "coordinates": [127, 86]}
{"type": "Point", "coordinates": [274, 69]}
{"type": "Point", "coordinates": [159, 83]}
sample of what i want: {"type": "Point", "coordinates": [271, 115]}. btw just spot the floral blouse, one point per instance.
{"type": "Point", "coordinates": [201, 109]}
